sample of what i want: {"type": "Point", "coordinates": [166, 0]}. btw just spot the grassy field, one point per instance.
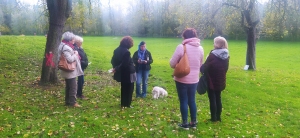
{"type": "Point", "coordinates": [261, 103]}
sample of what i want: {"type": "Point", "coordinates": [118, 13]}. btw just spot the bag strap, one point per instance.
{"type": "Point", "coordinates": [62, 49]}
{"type": "Point", "coordinates": [184, 48]}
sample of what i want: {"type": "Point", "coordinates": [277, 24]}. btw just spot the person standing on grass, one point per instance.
{"type": "Point", "coordinates": [142, 59]}
{"type": "Point", "coordinates": [67, 48]}
{"type": "Point", "coordinates": [83, 62]}
{"type": "Point", "coordinates": [187, 85]}
{"type": "Point", "coordinates": [216, 66]}
{"type": "Point", "coordinates": [124, 70]}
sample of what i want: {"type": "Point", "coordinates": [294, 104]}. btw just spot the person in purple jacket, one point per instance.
{"type": "Point", "coordinates": [215, 68]}
{"type": "Point", "coordinates": [187, 85]}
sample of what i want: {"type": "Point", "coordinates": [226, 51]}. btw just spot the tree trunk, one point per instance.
{"type": "Point", "coordinates": [251, 52]}
{"type": "Point", "coordinates": [59, 11]}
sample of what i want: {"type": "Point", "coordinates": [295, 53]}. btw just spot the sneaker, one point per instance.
{"type": "Point", "coordinates": [184, 126]}
{"type": "Point", "coordinates": [194, 124]}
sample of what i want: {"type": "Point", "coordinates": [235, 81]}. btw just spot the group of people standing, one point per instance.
{"type": "Point", "coordinates": [215, 68]}
{"type": "Point", "coordinates": [71, 48]}
{"type": "Point", "coordinates": [127, 70]}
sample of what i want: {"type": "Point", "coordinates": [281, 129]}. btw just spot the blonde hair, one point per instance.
{"type": "Point", "coordinates": [220, 43]}
{"type": "Point", "coordinates": [78, 39]}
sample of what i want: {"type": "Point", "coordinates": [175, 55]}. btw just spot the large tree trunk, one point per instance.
{"type": "Point", "coordinates": [250, 27]}
{"type": "Point", "coordinates": [59, 11]}
{"type": "Point", "coordinates": [251, 44]}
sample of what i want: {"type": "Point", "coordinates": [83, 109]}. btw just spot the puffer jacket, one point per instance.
{"type": "Point", "coordinates": [195, 55]}
{"type": "Point", "coordinates": [71, 57]}
{"type": "Point", "coordinates": [215, 67]}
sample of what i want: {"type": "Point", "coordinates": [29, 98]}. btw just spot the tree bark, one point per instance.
{"type": "Point", "coordinates": [59, 11]}
{"type": "Point", "coordinates": [251, 48]}
{"type": "Point", "coordinates": [250, 29]}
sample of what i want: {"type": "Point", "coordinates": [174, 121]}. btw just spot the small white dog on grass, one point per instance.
{"type": "Point", "coordinates": [159, 92]}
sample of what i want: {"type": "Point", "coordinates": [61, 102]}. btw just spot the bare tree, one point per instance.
{"type": "Point", "coordinates": [59, 11]}
{"type": "Point", "coordinates": [249, 21]}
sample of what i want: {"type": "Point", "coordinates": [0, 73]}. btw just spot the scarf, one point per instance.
{"type": "Point", "coordinates": [68, 43]}
{"type": "Point", "coordinates": [72, 46]}
{"type": "Point", "coordinates": [141, 53]}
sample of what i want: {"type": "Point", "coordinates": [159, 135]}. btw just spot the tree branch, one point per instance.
{"type": "Point", "coordinates": [231, 5]}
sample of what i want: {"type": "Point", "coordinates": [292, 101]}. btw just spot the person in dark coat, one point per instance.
{"type": "Point", "coordinates": [83, 63]}
{"type": "Point", "coordinates": [142, 59]}
{"type": "Point", "coordinates": [124, 70]}
{"type": "Point", "coordinates": [215, 67]}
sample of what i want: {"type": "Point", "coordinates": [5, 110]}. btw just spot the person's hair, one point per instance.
{"type": "Point", "coordinates": [142, 43]}
{"type": "Point", "coordinates": [78, 39]}
{"type": "Point", "coordinates": [68, 36]}
{"type": "Point", "coordinates": [126, 42]}
{"type": "Point", "coordinates": [220, 42]}
{"type": "Point", "coordinates": [189, 33]}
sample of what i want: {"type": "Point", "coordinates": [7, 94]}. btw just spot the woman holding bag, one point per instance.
{"type": "Point", "coordinates": [124, 70]}
{"type": "Point", "coordinates": [186, 86]}
{"type": "Point", "coordinates": [215, 68]}
{"type": "Point", "coordinates": [66, 47]}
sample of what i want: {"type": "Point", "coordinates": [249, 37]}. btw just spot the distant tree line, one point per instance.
{"type": "Point", "coordinates": [279, 19]}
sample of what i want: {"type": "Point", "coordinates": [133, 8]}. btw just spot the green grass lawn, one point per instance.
{"type": "Point", "coordinates": [261, 103]}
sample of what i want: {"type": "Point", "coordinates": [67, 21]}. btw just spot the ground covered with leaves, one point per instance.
{"type": "Point", "coordinates": [262, 103]}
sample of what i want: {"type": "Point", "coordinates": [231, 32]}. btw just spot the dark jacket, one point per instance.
{"type": "Point", "coordinates": [147, 56]}
{"type": "Point", "coordinates": [84, 62]}
{"type": "Point", "coordinates": [215, 68]}
{"type": "Point", "coordinates": [123, 65]}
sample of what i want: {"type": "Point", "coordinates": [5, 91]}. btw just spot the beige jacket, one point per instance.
{"type": "Point", "coordinates": [71, 57]}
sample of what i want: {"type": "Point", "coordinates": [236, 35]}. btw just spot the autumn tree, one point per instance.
{"type": "Point", "coordinates": [59, 11]}
{"type": "Point", "coordinates": [7, 7]}
{"type": "Point", "coordinates": [282, 20]}
{"type": "Point", "coordinates": [249, 21]}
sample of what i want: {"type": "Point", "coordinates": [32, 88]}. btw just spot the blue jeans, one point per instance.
{"type": "Point", "coordinates": [186, 94]}
{"type": "Point", "coordinates": [142, 78]}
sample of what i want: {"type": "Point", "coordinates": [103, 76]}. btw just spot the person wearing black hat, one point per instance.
{"type": "Point", "coordinates": [142, 59]}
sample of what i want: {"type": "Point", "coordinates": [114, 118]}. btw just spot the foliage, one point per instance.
{"type": "Point", "coordinates": [262, 103]}
{"type": "Point", "coordinates": [157, 18]}
{"type": "Point", "coordinates": [282, 20]}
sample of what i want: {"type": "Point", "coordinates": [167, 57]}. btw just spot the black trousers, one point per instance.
{"type": "Point", "coordinates": [126, 94]}
{"type": "Point", "coordinates": [215, 104]}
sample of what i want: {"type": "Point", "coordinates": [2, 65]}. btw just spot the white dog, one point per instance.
{"type": "Point", "coordinates": [159, 92]}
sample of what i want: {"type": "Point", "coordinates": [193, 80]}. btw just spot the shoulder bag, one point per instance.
{"type": "Point", "coordinates": [182, 68]}
{"type": "Point", "coordinates": [64, 65]}
{"type": "Point", "coordinates": [202, 85]}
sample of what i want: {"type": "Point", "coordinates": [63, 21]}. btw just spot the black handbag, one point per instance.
{"type": "Point", "coordinates": [202, 85]}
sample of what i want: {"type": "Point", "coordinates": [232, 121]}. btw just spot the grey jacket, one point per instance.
{"type": "Point", "coordinates": [71, 57]}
